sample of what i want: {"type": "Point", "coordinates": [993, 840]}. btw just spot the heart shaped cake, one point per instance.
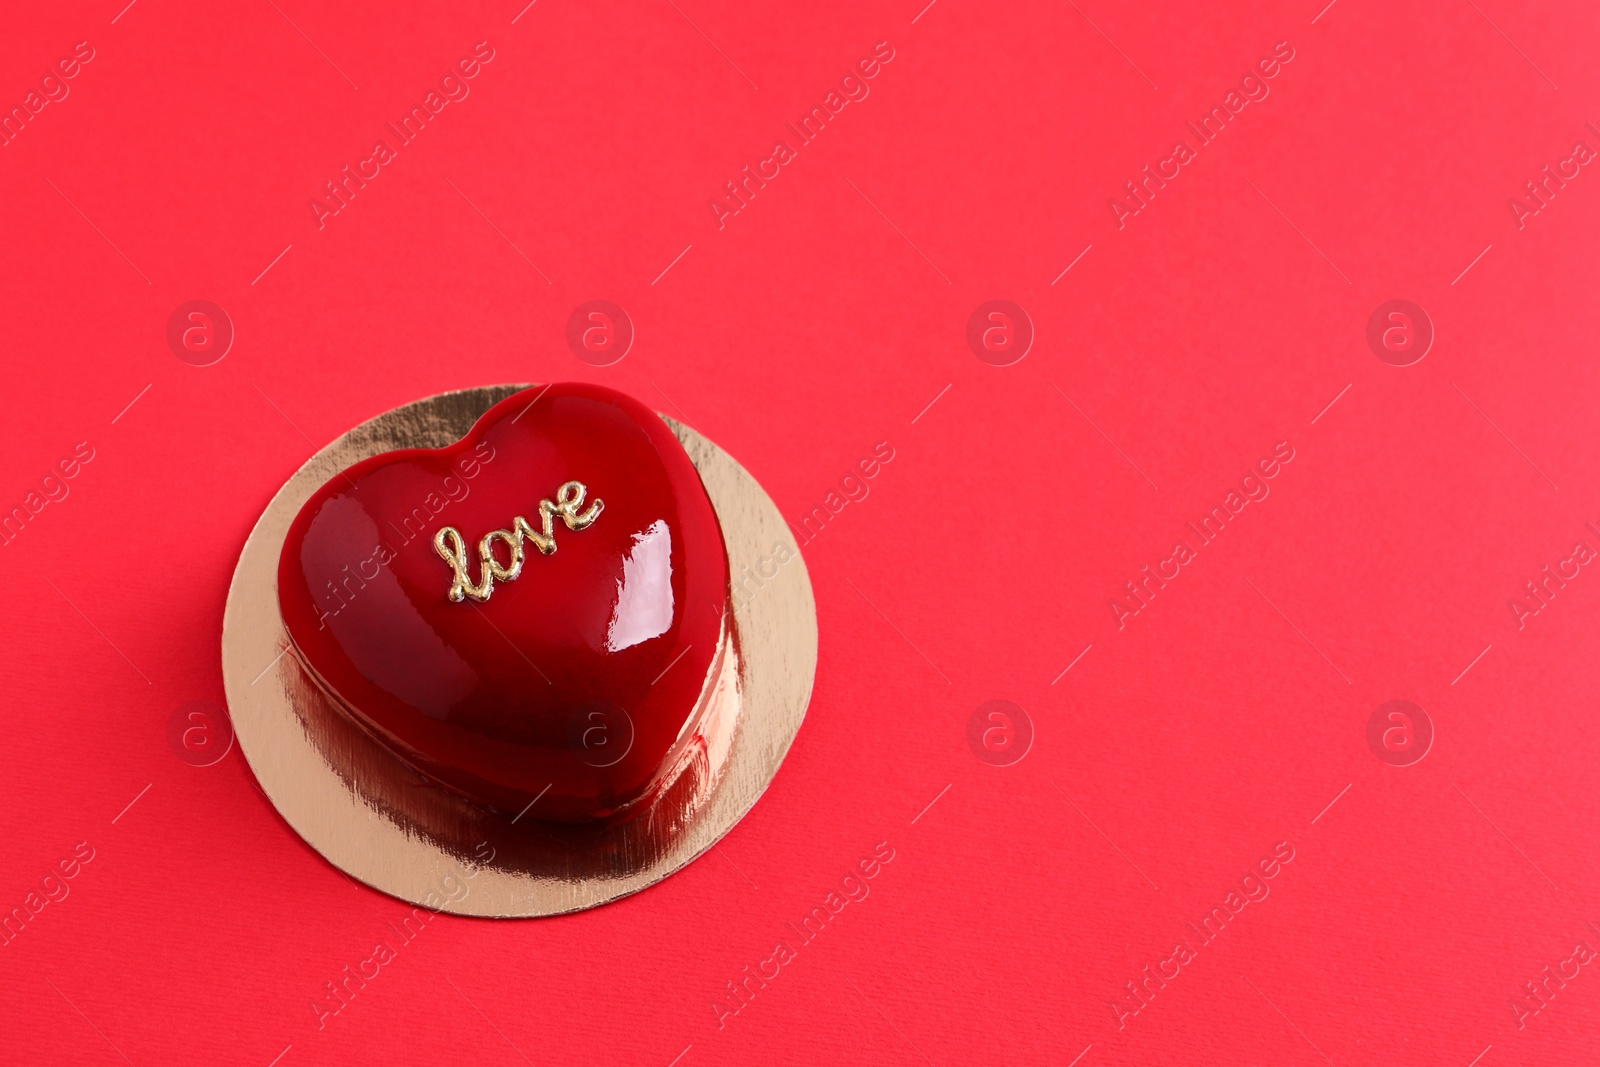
{"type": "Point", "coordinates": [528, 617]}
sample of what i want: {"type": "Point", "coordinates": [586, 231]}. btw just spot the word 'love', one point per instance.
{"type": "Point", "coordinates": [452, 547]}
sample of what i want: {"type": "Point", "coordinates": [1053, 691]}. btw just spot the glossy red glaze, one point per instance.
{"type": "Point", "coordinates": [579, 680]}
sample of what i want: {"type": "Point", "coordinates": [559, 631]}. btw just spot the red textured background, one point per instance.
{"type": "Point", "coordinates": [822, 319]}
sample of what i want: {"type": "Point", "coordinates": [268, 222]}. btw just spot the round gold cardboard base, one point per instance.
{"type": "Point", "coordinates": [376, 819]}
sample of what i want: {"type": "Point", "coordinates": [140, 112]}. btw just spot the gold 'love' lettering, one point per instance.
{"type": "Point", "coordinates": [452, 547]}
